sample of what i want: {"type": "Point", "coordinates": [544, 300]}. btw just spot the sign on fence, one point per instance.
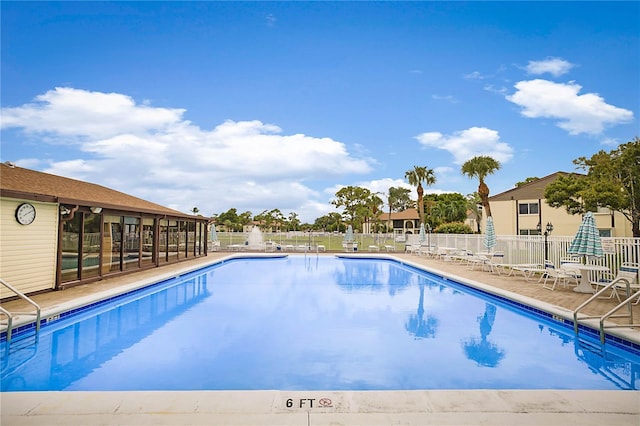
{"type": "Point", "coordinates": [608, 247]}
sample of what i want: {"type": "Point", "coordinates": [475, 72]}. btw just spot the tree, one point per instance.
{"type": "Point", "coordinates": [354, 200]}
{"type": "Point", "coordinates": [293, 220]}
{"type": "Point", "coordinates": [527, 180]}
{"type": "Point", "coordinates": [195, 210]}
{"type": "Point", "coordinates": [230, 220]}
{"type": "Point", "coordinates": [270, 219]}
{"type": "Point", "coordinates": [397, 199]}
{"type": "Point", "coordinates": [612, 181]}
{"type": "Point", "coordinates": [245, 218]}
{"type": "Point", "coordinates": [415, 177]}
{"type": "Point", "coordinates": [566, 192]}
{"type": "Point", "coordinates": [473, 204]}
{"type": "Point", "coordinates": [449, 207]}
{"type": "Point", "coordinates": [329, 222]}
{"type": "Point", "coordinates": [480, 167]}
{"type": "Point", "coordinates": [373, 207]}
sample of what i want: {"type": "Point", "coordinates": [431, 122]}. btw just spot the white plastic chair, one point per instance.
{"type": "Point", "coordinates": [558, 274]}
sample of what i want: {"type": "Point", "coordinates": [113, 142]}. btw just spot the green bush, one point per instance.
{"type": "Point", "coordinates": [453, 228]}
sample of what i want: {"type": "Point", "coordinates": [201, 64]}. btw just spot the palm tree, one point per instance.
{"type": "Point", "coordinates": [480, 167]}
{"type": "Point", "coordinates": [415, 177]}
{"type": "Point", "coordinates": [473, 200]}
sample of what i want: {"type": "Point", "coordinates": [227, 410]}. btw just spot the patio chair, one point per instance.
{"type": "Point", "coordinates": [565, 260]}
{"type": "Point", "coordinates": [558, 274]}
{"type": "Point", "coordinates": [461, 256]}
{"type": "Point", "coordinates": [496, 262]}
{"type": "Point", "coordinates": [627, 270]}
{"type": "Point", "coordinates": [412, 249]}
{"type": "Point", "coordinates": [477, 260]}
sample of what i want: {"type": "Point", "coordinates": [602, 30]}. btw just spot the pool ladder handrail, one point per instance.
{"type": "Point", "coordinates": [602, 318]}
{"type": "Point", "coordinates": [10, 315]}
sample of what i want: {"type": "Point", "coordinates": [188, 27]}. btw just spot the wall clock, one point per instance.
{"type": "Point", "coordinates": [25, 214]}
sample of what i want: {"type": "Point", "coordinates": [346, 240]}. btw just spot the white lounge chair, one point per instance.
{"type": "Point", "coordinates": [480, 260]}
{"type": "Point", "coordinates": [627, 270]}
{"type": "Point", "coordinates": [528, 270]}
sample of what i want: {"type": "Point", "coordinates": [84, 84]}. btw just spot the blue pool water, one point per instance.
{"type": "Point", "coordinates": [310, 323]}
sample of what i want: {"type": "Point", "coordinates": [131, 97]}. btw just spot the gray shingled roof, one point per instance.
{"type": "Point", "coordinates": [18, 182]}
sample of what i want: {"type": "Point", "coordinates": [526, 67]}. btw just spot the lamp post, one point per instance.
{"type": "Point", "coordinates": [547, 231]}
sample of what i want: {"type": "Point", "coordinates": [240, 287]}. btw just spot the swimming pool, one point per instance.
{"type": "Point", "coordinates": [311, 322]}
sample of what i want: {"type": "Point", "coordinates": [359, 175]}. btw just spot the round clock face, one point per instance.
{"type": "Point", "coordinates": [25, 214]}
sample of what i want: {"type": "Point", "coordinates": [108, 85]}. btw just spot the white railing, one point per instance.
{"type": "Point", "coordinates": [517, 248]}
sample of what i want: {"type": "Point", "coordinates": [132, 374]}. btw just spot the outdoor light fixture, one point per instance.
{"type": "Point", "coordinates": [547, 231]}
{"type": "Point", "coordinates": [64, 210]}
{"type": "Point", "coordinates": [96, 210]}
{"type": "Point", "coordinates": [549, 227]}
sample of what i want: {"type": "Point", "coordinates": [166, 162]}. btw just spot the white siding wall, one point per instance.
{"type": "Point", "coordinates": [28, 252]}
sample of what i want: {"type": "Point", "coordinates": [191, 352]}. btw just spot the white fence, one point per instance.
{"type": "Point", "coordinates": [531, 248]}
{"type": "Point", "coordinates": [517, 248]}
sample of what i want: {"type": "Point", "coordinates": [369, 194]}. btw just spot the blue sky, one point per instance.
{"type": "Point", "coordinates": [262, 105]}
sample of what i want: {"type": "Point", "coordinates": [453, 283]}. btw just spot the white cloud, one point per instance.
{"type": "Point", "coordinates": [271, 20]}
{"type": "Point", "coordinates": [497, 90]}
{"type": "Point", "coordinates": [448, 98]}
{"type": "Point", "coordinates": [382, 186]}
{"type": "Point", "coordinates": [155, 154]}
{"type": "Point", "coordinates": [72, 112]}
{"type": "Point", "coordinates": [587, 113]}
{"type": "Point", "coordinates": [469, 143]}
{"type": "Point", "coordinates": [553, 66]}
{"type": "Point", "coordinates": [474, 75]}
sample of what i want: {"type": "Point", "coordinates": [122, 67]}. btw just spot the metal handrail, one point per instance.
{"type": "Point", "coordinates": [9, 322]}
{"type": "Point", "coordinates": [609, 314]}
{"type": "Point", "coordinates": [10, 316]}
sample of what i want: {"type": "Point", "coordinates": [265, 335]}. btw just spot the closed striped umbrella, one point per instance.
{"type": "Point", "coordinates": [213, 236]}
{"type": "Point", "coordinates": [348, 236]}
{"type": "Point", "coordinates": [422, 236]}
{"type": "Point", "coordinates": [489, 240]}
{"type": "Point", "coordinates": [587, 240]}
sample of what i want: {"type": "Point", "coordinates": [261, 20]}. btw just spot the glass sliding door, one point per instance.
{"type": "Point", "coordinates": [163, 240]}
{"type": "Point", "coordinates": [112, 244]}
{"type": "Point", "coordinates": [91, 245]}
{"type": "Point", "coordinates": [131, 259]}
{"type": "Point", "coordinates": [148, 237]}
{"type": "Point", "coordinates": [199, 242]}
{"type": "Point", "coordinates": [191, 238]}
{"type": "Point", "coordinates": [70, 270]}
{"type": "Point", "coordinates": [174, 241]}
{"type": "Point", "coordinates": [182, 236]}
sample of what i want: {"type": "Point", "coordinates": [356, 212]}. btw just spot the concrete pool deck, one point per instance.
{"type": "Point", "coordinates": [447, 407]}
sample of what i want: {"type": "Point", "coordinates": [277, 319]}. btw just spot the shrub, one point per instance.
{"type": "Point", "coordinates": [453, 228]}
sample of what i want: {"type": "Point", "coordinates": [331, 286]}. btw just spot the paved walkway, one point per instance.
{"type": "Point", "coordinates": [495, 407]}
